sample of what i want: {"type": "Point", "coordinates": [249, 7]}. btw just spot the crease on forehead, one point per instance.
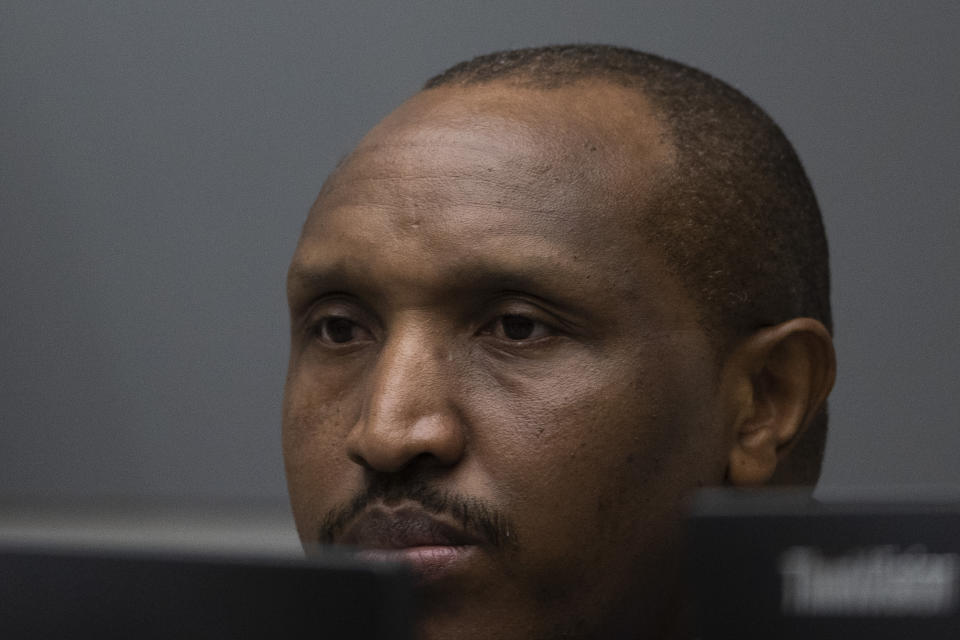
{"type": "Point", "coordinates": [579, 136]}
{"type": "Point", "coordinates": [456, 153]}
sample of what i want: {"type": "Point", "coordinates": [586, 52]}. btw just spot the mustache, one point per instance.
{"type": "Point", "coordinates": [474, 516]}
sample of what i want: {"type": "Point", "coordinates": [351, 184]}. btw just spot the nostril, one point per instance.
{"type": "Point", "coordinates": [357, 459]}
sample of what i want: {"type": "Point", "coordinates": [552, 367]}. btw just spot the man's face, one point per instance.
{"type": "Point", "coordinates": [492, 375]}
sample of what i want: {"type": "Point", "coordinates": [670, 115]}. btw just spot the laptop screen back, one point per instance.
{"type": "Point", "coordinates": [122, 593]}
{"type": "Point", "coordinates": [775, 565]}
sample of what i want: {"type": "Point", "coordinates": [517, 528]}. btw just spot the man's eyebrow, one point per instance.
{"type": "Point", "coordinates": [304, 276]}
{"type": "Point", "coordinates": [471, 274]}
{"type": "Point", "coordinates": [533, 278]}
{"type": "Point", "coordinates": [300, 271]}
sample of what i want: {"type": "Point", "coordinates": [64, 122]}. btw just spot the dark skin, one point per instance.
{"type": "Point", "coordinates": [475, 313]}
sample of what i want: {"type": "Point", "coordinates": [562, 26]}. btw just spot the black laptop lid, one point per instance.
{"type": "Point", "coordinates": [780, 565]}
{"type": "Point", "coordinates": [57, 592]}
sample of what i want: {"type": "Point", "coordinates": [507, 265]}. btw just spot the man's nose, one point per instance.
{"type": "Point", "coordinates": [409, 413]}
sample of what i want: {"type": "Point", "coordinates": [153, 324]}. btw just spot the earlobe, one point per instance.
{"type": "Point", "coordinates": [782, 375]}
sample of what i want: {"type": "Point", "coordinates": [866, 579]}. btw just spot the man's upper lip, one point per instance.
{"type": "Point", "coordinates": [384, 528]}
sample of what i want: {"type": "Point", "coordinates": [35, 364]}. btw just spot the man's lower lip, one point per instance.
{"type": "Point", "coordinates": [428, 562]}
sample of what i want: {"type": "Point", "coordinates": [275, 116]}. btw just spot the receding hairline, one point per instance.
{"type": "Point", "coordinates": [618, 105]}
{"type": "Point", "coordinates": [637, 161]}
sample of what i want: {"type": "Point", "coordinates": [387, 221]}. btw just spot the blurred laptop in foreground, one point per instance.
{"type": "Point", "coordinates": [781, 565]}
{"type": "Point", "coordinates": [185, 571]}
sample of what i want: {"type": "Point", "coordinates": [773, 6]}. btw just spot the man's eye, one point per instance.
{"type": "Point", "coordinates": [340, 330]}
{"type": "Point", "coordinates": [517, 327]}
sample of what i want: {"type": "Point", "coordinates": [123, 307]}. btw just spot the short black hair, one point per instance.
{"type": "Point", "coordinates": [738, 222]}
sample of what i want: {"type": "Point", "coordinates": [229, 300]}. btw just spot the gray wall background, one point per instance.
{"type": "Point", "coordinates": [157, 159]}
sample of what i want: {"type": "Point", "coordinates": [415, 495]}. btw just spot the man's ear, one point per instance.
{"type": "Point", "coordinates": [779, 378]}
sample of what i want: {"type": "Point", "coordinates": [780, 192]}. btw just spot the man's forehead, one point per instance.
{"type": "Point", "coordinates": [580, 125]}
{"type": "Point", "coordinates": [585, 146]}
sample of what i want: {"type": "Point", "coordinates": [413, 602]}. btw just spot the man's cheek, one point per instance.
{"type": "Point", "coordinates": [315, 457]}
{"type": "Point", "coordinates": [317, 411]}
